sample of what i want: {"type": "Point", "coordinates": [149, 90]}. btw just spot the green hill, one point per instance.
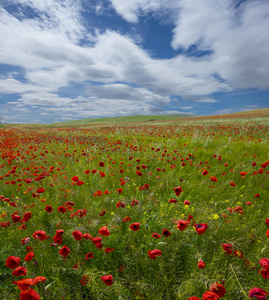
{"type": "Point", "coordinates": [124, 119]}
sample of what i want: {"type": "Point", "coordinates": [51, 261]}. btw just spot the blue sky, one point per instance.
{"type": "Point", "coordinates": [75, 59]}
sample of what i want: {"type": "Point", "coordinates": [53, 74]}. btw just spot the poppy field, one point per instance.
{"type": "Point", "coordinates": [168, 210]}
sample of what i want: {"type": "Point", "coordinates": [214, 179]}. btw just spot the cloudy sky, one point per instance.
{"type": "Point", "coordinates": [76, 59]}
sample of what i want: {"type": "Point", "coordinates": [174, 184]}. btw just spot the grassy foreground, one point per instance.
{"type": "Point", "coordinates": [135, 211]}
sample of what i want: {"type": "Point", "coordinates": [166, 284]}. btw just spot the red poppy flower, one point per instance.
{"type": "Point", "coordinates": [13, 262]}
{"type": "Point", "coordinates": [97, 241]}
{"type": "Point", "coordinates": [40, 235]}
{"type": "Point", "coordinates": [40, 190]}
{"type": "Point", "coordinates": [108, 279]}
{"type": "Point", "coordinates": [232, 184]}
{"type": "Point", "coordinates": [38, 279]}
{"type": "Point", "coordinates": [24, 284]}
{"type": "Point", "coordinates": [156, 235]}
{"type": "Point", "coordinates": [243, 173]}
{"type": "Point", "coordinates": [228, 248]}
{"type": "Point", "coordinates": [101, 164]}
{"type": "Point", "coordinates": [26, 217]}
{"type": "Point", "coordinates": [58, 236]}
{"type": "Point", "coordinates": [29, 256]}
{"type": "Point", "coordinates": [64, 251]}
{"type": "Point", "coordinates": [201, 264]}
{"type": "Point", "coordinates": [5, 224]}
{"type": "Point", "coordinates": [264, 262]}
{"type": "Point", "coordinates": [214, 179]}
{"type": "Point", "coordinates": [178, 190]}
{"type": "Point", "coordinates": [154, 253]}
{"type": "Point", "coordinates": [181, 225]}
{"type": "Point", "coordinates": [80, 182]}
{"type": "Point", "coordinates": [85, 279]}
{"type": "Point", "coordinates": [75, 178]}
{"type": "Point", "coordinates": [200, 228]}
{"type": "Point", "coordinates": [62, 209]}
{"type": "Point", "coordinates": [120, 204]}
{"type": "Point", "coordinates": [25, 241]}
{"type": "Point", "coordinates": [267, 221]}
{"type": "Point", "coordinates": [187, 202]}
{"type": "Point", "coordinates": [20, 271]}
{"type": "Point", "coordinates": [108, 250]}
{"type": "Point", "coordinates": [87, 236]}
{"type": "Point", "coordinates": [104, 231]}
{"type": "Point", "coordinates": [257, 293]}
{"type": "Point", "coordinates": [265, 273]}
{"type": "Point", "coordinates": [172, 201]}
{"type": "Point", "coordinates": [135, 226]}
{"type": "Point", "coordinates": [205, 172]}
{"type": "Point", "coordinates": [48, 208]}
{"type": "Point", "coordinates": [139, 173]}
{"type": "Point", "coordinates": [89, 255]}
{"type": "Point", "coordinates": [29, 295]}
{"type": "Point", "coordinates": [210, 296]}
{"type": "Point", "coordinates": [119, 191]}
{"type": "Point", "coordinates": [77, 235]}
{"type": "Point", "coordinates": [218, 289]}
{"type": "Point", "coordinates": [102, 213]}
{"type": "Point", "coordinates": [126, 219]}
{"type": "Point", "coordinates": [166, 232]}
{"type": "Point", "coordinates": [16, 218]}
{"type": "Point", "coordinates": [134, 202]}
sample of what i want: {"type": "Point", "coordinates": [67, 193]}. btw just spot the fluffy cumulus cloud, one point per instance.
{"type": "Point", "coordinates": [51, 47]}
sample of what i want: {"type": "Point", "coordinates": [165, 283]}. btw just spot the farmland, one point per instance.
{"type": "Point", "coordinates": [145, 210]}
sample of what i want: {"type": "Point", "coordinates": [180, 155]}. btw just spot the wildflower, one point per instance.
{"type": "Point", "coordinates": [13, 262]}
{"type": "Point", "coordinates": [20, 271]}
{"type": "Point", "coordinates": [64, 251]}
{"type": "Point", "coordinates": [201, 264]}
{"type": "Point", "coordinates": [89, 255]}
{"type": "Point", "coordinates": [218, 289]}
{"type": "Point", "coordinates": [135, 226]}
{"type": "Point", "coordinates": [29, 295]}
{"type": "Point", "coordinates": [108, 279]}
{"type": "Point", "coordinates": [257, 293]}
{"type": "Point", "coordinates": [40, 235]}
{"type": "Point", "coordinates": [154, 253]}
{"type": "Point", "coordinates": [29, 256]}
{"type": "Point", "coordinates": [104, 231]}
{"type": "Point", "coordinates": [178, 190]}
{"type": "Point", "coordinates": [77, 235]}
{"type": "Point", "coordinates": [166, 232]}
{"type": "Point", "coordinates": [200, 228]}
{"type": "Point", "coordinates": [156, 235]}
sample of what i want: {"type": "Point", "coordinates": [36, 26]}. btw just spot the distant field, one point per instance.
{"type": "Point", "coordinates": [257, 113]}
{"type": "Point", "coordinates": [124, 119]}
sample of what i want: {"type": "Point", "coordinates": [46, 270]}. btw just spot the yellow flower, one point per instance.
{"type": "Point", "coordinates": [215, 217]}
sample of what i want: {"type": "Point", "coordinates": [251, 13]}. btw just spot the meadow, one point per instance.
{"type": "Point", "coordinates": [146, 210]}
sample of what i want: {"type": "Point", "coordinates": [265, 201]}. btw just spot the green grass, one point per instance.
{"type": "Point", "coordinates": [169, 154]}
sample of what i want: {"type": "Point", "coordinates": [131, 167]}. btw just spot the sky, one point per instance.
{"type": "Point", "coordinates": [75, 59]}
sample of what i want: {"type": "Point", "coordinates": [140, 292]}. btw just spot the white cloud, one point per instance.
{"type": "Point", "coordinates": [225, 111]}
{"type": "Point", "coordinates": [48, 48]}
{"type": "Point", "coordinates": [186, 107]}
{"type": "Point", "coordinates": [207, 100]}
{"type": "Point", "coordinates": [250, 107]}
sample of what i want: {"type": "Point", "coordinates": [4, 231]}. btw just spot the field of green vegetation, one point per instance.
{"type": "Point", "coordinates": [152, 210]}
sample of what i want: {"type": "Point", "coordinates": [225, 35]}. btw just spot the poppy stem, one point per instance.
{"type": "Point", "coordinates": [238, 282]}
